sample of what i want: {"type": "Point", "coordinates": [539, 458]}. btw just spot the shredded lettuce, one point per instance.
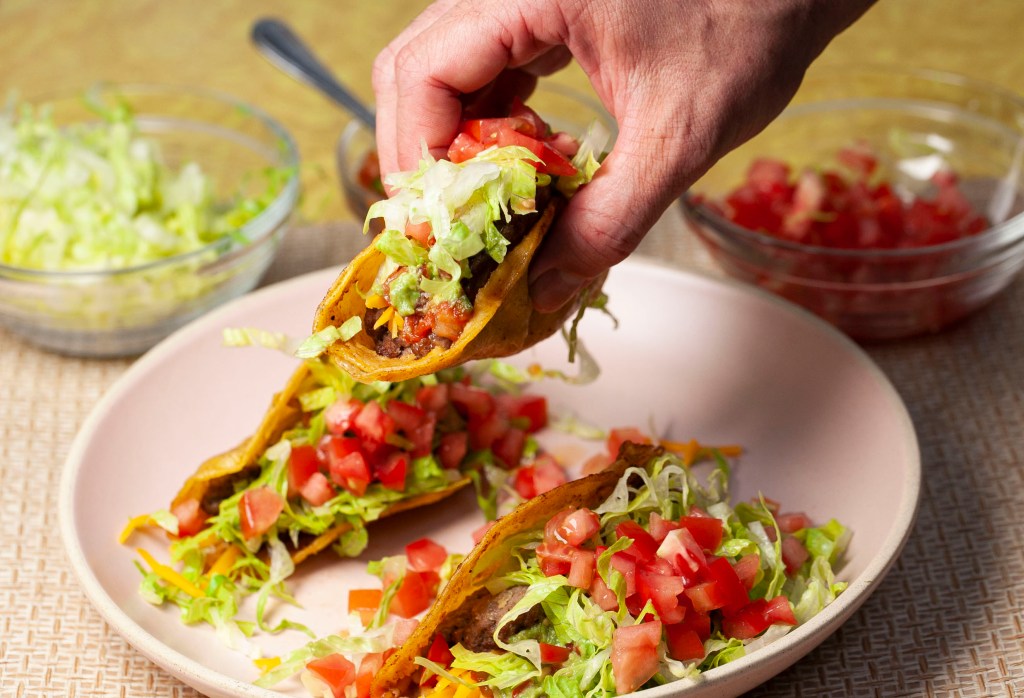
{"type": "Point", "coordinates": [99, 195]}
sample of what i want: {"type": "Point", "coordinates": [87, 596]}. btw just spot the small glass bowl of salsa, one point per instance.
{"type": "Point", "coordinates": [888, 202]}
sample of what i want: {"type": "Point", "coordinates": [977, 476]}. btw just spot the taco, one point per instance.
{"type": "Point", "coordinates": [446, 280]}
{"type": "Point", "coordinates": [331, 456]}
{"type": "Point", "coordinates": [632, 577]}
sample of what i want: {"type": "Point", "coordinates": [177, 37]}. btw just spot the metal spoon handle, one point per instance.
{"type": "Point", "coordinates": [283, 48]}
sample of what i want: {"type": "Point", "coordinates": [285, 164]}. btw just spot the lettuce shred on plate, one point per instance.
{"type": "Point", "coordinates": [99, 195]}
{"type": "Point", "coordinates": [584, 630]}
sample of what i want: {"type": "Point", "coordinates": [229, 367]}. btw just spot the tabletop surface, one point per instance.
{"type": "Point", "coordinates": [947, 619]}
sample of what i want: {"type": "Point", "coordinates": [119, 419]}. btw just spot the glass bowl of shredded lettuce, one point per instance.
{"type": "Point", "coordinates": [127, 211]}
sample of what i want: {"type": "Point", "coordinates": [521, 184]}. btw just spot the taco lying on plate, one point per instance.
{"type": "Point", "coordinates": [630, 578]}
{"type": "Point", "coordinates": [445, 282]}
{"type": "Point", "coordinates": [330, 456]}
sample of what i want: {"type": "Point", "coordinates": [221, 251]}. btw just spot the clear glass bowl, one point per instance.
{"type": "Point", "coordinates": [916, 121]}
{"type": "Point", "coordinates": [564, 108]}
{"type": "Point", "coordinates": [123, 312]}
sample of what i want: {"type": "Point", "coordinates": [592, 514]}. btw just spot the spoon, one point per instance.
{"type": "Point", "coordinates": [275, 40]}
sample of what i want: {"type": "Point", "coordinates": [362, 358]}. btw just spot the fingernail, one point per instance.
{"type": "Point", "coordinates": [553, 289]}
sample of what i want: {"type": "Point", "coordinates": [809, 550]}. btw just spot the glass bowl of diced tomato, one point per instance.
{"type": "Point", "coordinates": [888, 202]}
{"type": "Point", "coordinates": [565, 110]}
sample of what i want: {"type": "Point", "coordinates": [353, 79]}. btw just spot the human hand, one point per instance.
{"type": "Point", "coordinates": [686, 81]}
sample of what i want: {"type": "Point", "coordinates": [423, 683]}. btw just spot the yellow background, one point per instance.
{"type": "Point", "coordinates": [72, 43]}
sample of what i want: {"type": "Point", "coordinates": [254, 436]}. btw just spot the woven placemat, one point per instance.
{"type": "Point", "coordinates": [946, 621]}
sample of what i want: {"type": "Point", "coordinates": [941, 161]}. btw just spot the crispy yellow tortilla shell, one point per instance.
{"type": "Point", "coordinates": [215, 478]}
{"type": "Point", "coordinates": [503, 323]}
{"type": "Point", "coordinates": [490, 554]}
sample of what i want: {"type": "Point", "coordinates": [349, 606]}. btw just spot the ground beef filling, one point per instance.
{"type": "Point", "coordinates": [474, 624]}
{"type": "Point", "coordinates": [481, 266]}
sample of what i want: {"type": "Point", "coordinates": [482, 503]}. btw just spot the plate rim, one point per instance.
{"type": "Point", "coordinates": [800, 640]}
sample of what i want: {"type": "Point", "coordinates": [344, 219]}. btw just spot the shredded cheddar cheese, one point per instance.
{"type": "Point", "coordinates": [134, 523]}
{"type": "Point", "coordinates": [171, 576]}
{"type": "Point", "coordinates": [376, 301]}
{"type": "Point", "coordinates": [267, 663]}
{"type": "Point", "coordinates": [224, 563]}
{"type": "Point", "coordinates": [384, 317]}
{"type": "Point", "coordinates": [691, 451]}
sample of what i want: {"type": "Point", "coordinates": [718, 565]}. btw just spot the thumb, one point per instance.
{"type": "Point", "coordinates": [605, 220]}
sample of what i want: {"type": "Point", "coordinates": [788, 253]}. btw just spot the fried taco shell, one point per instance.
{"type": "Point", "coordinates": [460, 600]}
{"type": "Point", "coordinates": [504, 321]}
{"type": "Point", "coordinates": [215, 479]}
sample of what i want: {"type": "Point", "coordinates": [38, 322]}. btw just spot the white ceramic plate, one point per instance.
{"type": "Point", "coordinates": [824, 430]}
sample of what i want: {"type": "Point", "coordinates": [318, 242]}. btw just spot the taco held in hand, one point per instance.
{"type": "Point", "coordinates": [446, 280]}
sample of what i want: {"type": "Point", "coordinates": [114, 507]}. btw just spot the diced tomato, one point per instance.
{"type": "Point", "coordinates": [659, 527]}
{"type": "Point", "coordinates": [635, 655]}
{"type": "Point", "coordinates": [317, 489]}
{"type": "Point", "coordinates": [464, 147]}
{"type": "Point", "coordinates": [662, 590]}
{"type": "Point", "coordinates": [439, 653]}
{"type": "Point", "coordinates": [793, 522]}
{"type": "Point", "coordinates": [553, 654]}
{"type": "Point", "coordinates": [617, 437]}
{"type": "Point", "coordinates": [706, 530]}
{"type": "Point", "coordinates": [470, 400]}
{"type": "Point", "coordinates": [485, 431]}
{"type": "Point", "coordinates": [722, 590]}
{"type": "Point", "coordinates": [581, 569]}
{"type": "Point", "coordinates": [448, 318]}
{"type": "Point", "coordinates": [626, 566]}
{"type": "Point", "coordinates": [258, 510]}
{"type": "Point", "coordinates": [523, 482]}
{"type": "Point", "coordinates": [529, 412]}
{"type": "Point", "coordinates": [368, 668]}
{"type": "Point", "coordinates": [422, 436]}
{"type": "Point", "coordinates": [420, 232]}
{"type": "Point", "coordinates": [391, 473]}
{"type": "Point", "coordinates": [351, 472]}
{"type": "Point", "coordinates": [413, 595]}
{"type": "Point", "coordinates": [425, 555]}
{"type": "Point", "coordinates": [555, 558]}
{"type": "Point", "coordinates": [794, 554]}
{"type": "Point", "coordinates": [538, 127]}
{"type": "Point", "coordinates": [334, 448]}
{"type": "Point", "coordinates": [748, 622]}
{"type": "Point", "coordinates": [406, 417]}
{"type": "Point", "coordinates": [683, 552]}
{"type": "Point", "coordinates": [747, 568]}
{"type": "Point", "coordinates": [779, 610]}
{"type": "Point", "coordinates": [302, 463]}
{"type": "Point", "coordinates": [453, 449]}
{"type": "Point", "coordinates": [683, 643]}
{"type": "Point", "coordinates": [433, 398]}
{"type": "Point", "coordinates": [190, 516]}
{"type": "Point", "coordinates": [339, 416]}
{"type": "Point", "coordinates": [550, 161]}
{"type": "Point", "coordinates": [547, 473]}
{"type": "Point", "coordinates": [335, 671]}
{"type": "Point", "coordinates": [602, 595]}
{"type": "Point", "coordinates": [372, 423]}
{"type": "Point", "coordinates": [508, 448]}
{"type": "Point", "coordinates": [486, 130]}
{"type": "Point", "coordinates": [644, 546]}
{"type": "Point", "coordinates": [578, 526]}
{"type": "Point", "coordinates": [365, 602]}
